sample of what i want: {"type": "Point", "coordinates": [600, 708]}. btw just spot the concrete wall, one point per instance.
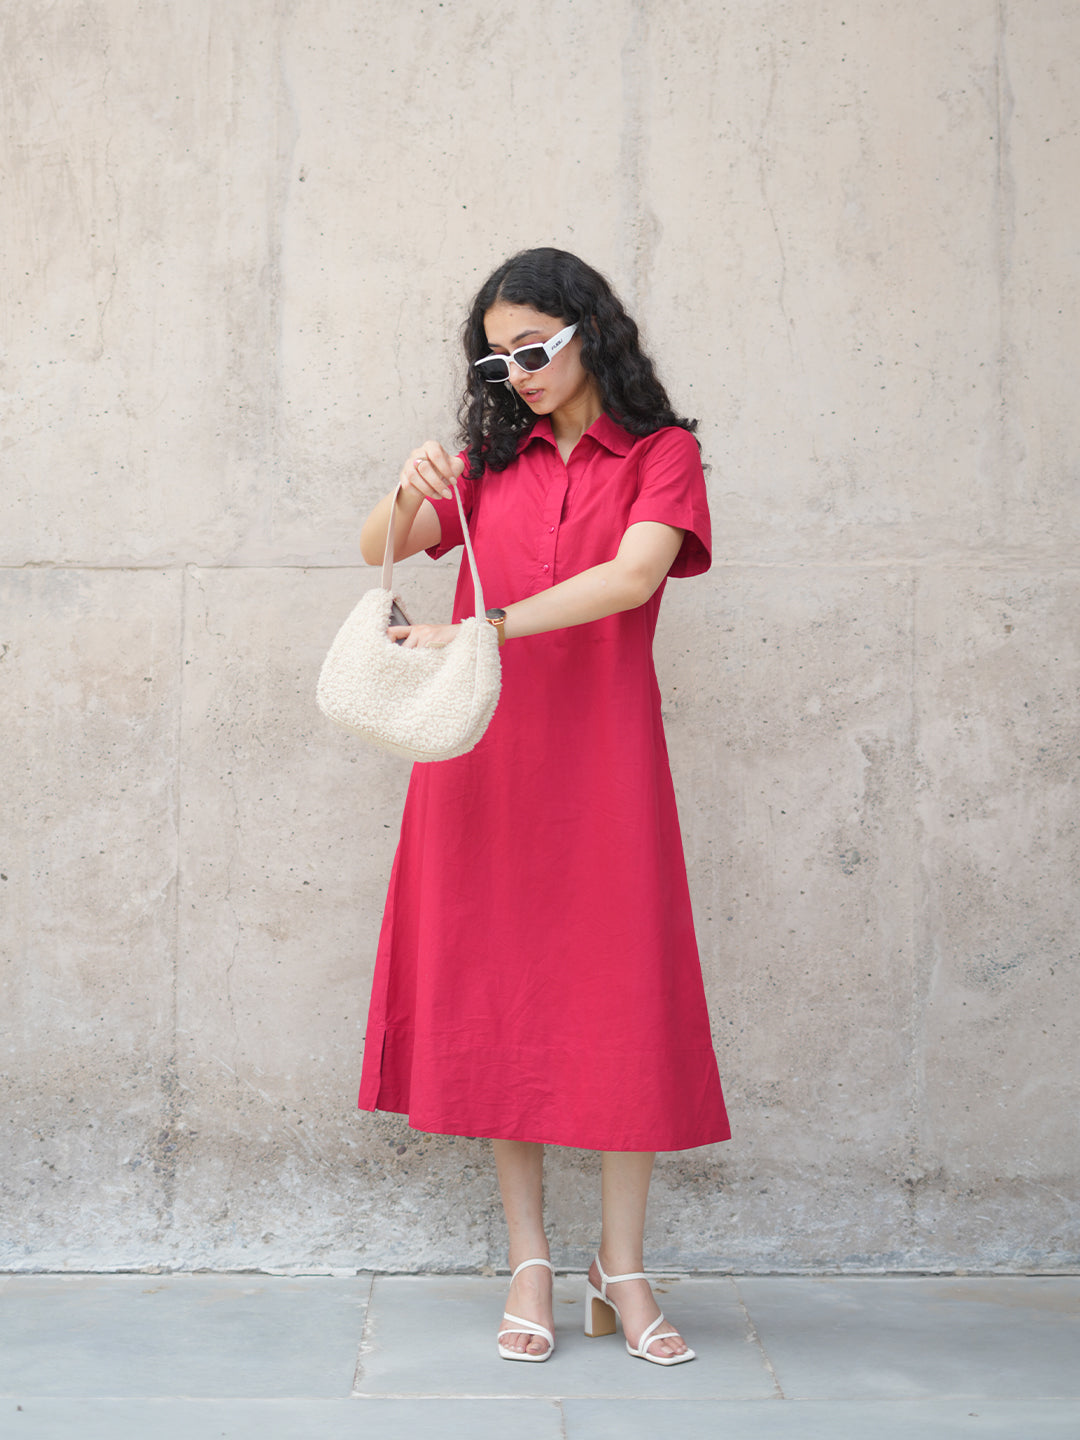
{"type": "Point", "coordinates": [237, 242]}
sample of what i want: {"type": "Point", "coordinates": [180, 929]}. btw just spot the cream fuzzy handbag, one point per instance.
{"type": "Point", "coordinates": [427, 704]}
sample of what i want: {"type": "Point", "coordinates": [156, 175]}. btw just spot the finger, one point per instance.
{"type": "Point", "coordinates": [439, 457]}
{"type": "Point", "coordinates": [398, 633]}
{"type": "Point", "coordinates": [447, 466]}
{"type": "Point", "coordinates": [443, 467]}
{"type": "Point", "coordinates": [416, 637]}
{"type": "Point", "coordinates": [432, 477]}
{"type": "Point", "coordinates": [419, 477]}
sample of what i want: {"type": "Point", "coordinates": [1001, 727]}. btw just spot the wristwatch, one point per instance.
{"type": "Point", "coordinates": [498, 619]}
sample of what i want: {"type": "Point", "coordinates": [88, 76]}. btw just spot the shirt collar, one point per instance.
{"type": "Point", "coordinates": [605, 430]}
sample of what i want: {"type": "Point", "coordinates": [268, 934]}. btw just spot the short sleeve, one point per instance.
{"type": "Point", "coordinates": [672, 492]}
{"type": "Point", "coordinates": [449, 519]}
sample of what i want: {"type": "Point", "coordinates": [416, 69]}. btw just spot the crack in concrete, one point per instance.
{"type": "Point", "coordinates": [755, 1338]}
{"type": "Point", "coordinates": [642, 225]}
{"type": "Point", "coordinates": [918, 929]}
{"type": "Point", "coordinates": [111, 262]}
{"type": "Point", "coordinates": [171, 1109]}
{"type": "Point", "coordinates": [366, 1341]}
{"type": "Point", "coordinates": [763, 185]}
{"type": "Point", "coordinates": [1011, 446]}
{"type": "Point", "coordinates": [286, 138]}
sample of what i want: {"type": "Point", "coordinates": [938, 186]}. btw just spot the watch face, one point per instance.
{"type": "Point", "coordinates": [495, 614]}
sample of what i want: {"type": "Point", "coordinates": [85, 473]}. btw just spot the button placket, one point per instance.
{"type": "Point", "coordinates": [550, 520]}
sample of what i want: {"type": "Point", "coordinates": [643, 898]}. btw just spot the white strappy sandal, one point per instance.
{"type": "Point", "coordinates": [601, 1313]}
{"type": "Point", "coordinates": [526, 1327]}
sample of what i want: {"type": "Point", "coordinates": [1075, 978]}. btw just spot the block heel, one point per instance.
{"type": "Point", "coordinates": [599, 1313]}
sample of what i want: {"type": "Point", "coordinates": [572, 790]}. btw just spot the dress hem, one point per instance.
{"type": "Point", "coordinates": [635, 1144]}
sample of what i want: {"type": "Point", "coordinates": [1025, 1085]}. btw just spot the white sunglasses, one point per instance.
{"type": "Point", "coordinates": [530, 358]}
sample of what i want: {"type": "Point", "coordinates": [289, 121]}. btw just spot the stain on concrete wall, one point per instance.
{"type": "Point", "coordinates": [237, 242]}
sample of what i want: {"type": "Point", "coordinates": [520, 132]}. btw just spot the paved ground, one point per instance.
{"type": "Point", "coordinates": [254, 1357]}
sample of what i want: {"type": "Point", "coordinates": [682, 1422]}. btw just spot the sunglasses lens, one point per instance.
{"type": "Point", "coordinates": [493, 368]}
{"type": "Point", "coordinates": [533, 358]}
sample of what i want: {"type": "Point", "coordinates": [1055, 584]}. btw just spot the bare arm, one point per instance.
{"type": "Point", "coordinates": [645, 555]}
{"type": "Point", "coordinates": [424, 476]}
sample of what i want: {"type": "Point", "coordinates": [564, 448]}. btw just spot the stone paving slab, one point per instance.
{"type": "Point", "coordinates": [822, 1420]}
{"type": "Point", "coordinates": [255, 1357]}
{"type": "Point", "coordinates": [52, 1419]}
{"type": "Point", "coordinates": [210, 1336]}
{"type": "Point", "coordinates": [463, 1311]}
{"type": "Point", "coordinates": [864, 1337]}
{"type": "Point", "coordinates": [546, 1419]}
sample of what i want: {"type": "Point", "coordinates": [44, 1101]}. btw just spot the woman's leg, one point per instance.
{"type": "Point", "coordinates": [520, 1168]}
{"type": "Point", "coordinates": [624, 1190]}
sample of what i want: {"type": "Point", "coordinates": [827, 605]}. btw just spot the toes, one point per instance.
{"type": "Point", "coordinates": [669, 1343]}
{"type": "Point", "coordinates": [525, 1344]}
{"type": "Point", "coordinates": [522, 1343]}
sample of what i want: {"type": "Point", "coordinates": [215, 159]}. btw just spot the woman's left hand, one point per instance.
{"type": "Point", "coordinates": [418, 636]}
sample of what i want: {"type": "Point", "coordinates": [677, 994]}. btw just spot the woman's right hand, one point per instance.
{"type": "Point", "coordinates": [428, 471]}
{"type": "Point", "coordinates": [425, 475]}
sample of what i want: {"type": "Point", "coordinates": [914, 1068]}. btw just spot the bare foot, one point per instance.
{"type": "Point", "coordinates": [637, 1310]}
{"type": "Point", "coordinates": [530, 1298]}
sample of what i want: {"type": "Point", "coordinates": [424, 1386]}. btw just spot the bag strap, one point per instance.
{"type": "Point", "coordinates": [388, 552]}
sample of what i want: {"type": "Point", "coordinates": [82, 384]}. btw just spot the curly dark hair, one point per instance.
{"type": "Point", "coordinates": [493, 418]}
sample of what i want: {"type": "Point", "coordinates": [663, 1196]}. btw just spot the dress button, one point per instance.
{"type": "Point", "coordinates": [551, 529]}
{"type": "Point", "coordinates": [546, 569]}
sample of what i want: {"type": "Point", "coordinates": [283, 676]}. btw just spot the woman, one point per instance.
{"type": "Point", "coordinates": [537, 979]}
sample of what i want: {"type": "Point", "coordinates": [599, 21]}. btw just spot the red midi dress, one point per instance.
{"type": "Point", "coordinates": [537, 975]}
